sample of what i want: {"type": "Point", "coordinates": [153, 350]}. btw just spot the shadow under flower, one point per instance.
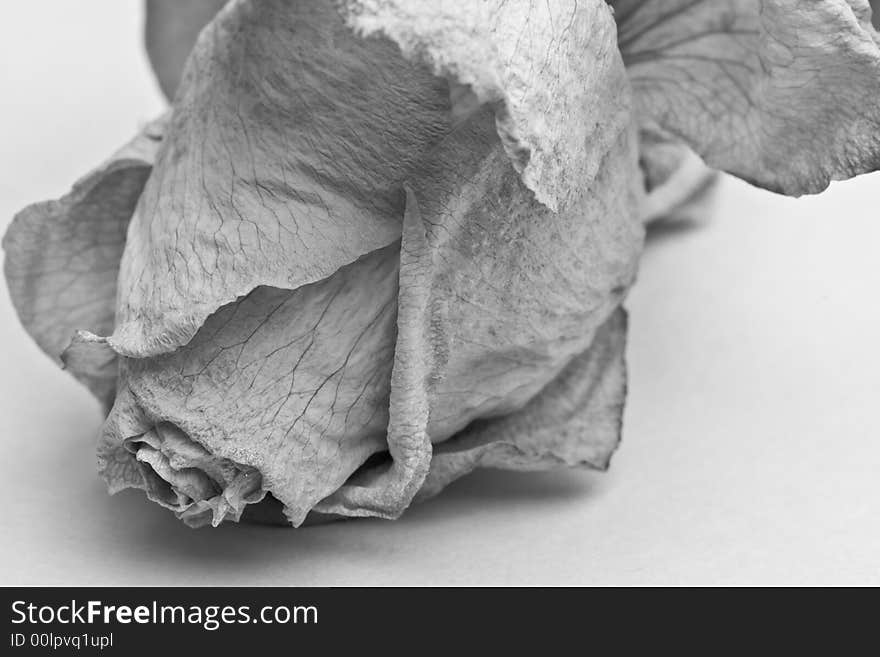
{"type": "Point", "coordinates": [661, 232]}
{"type": "Point", "coordinates": [246, 553]}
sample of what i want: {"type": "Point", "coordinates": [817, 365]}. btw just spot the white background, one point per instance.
{"type": "Point", "coordinates": [751, 451]}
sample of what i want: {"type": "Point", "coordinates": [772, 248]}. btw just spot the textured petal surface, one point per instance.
{"type": "Point", "coordinates": [506, 271]}
{"type": "Point", "coordinates": [498, 295]}
{"type": "Point", "coordinates": [574, 421]}
{"type": "Point", "coordinates": [290, 139]}
{"type": "Point", "coordinates": [178, 473]}
{"type": "Point", "coordinates": [291, 384]}
{"type": "Point", "coordinates": [782, 93]}
{"type": "Point", "coordinates": [547, 66]}
{"type": "Point", "coordinates": [62, 257]}
{"type": "Point", "coordinates": [514, 291]}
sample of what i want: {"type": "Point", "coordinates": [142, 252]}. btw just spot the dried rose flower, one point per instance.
{"type": "Point", "coordinates": [377, 244]}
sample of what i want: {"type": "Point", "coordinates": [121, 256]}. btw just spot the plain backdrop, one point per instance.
{"type": "Point", "coordinates": [751, 451]}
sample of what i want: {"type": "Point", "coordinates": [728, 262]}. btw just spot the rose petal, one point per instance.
{"type": "Point", "coordinates": [551, 69]}
{"type": "Point", "coordinates": [176, 472]}
{"type": "Point", "coordinates": [781, 93]}
{"type": "Point", "coordinates": [498, 291]}
{"type": "Point", "coordinates": [290, 140]}
{"type": "Point", "coordinates": [574, 421]}
{"type": "Point", "coordinates": [512, 290]}
{"type": "Point", "coordinates": [62, 257]}
{"type": "Point", "coordinates": [292, 137]}
{"type": "Point", "coordinates": [497, 295]}
{"type": "Point", "coordinates": [291, 384]}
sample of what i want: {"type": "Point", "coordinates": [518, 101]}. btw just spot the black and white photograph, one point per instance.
{"type": "Point", "coordinates": [437, 293]}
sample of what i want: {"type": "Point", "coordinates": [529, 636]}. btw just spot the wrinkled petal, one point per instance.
{"type": "Point", "coordinates": [62, 257]}
{"type": "Point", "coordinates": [480, 326]}
{"type": "Point", "coordinates": [170, 32]}
{"type": "Point", "coordinates": [181, 475]}
{"type": "Point", "coordinates": [781, 93]}
{"type": "Point", "coordinates": [512, 291]}
{"type": "Point", "coordinates": [290, 139]}
{"type": "Point", "coordinates": [574, 421]}
{"type": "Point", "coordinates": [291, 384]}
{"type": "Point", "coordinates": [498, 290]}
{"type": "Point", "coordinates": [292, 136]}
{"type": "Point", "coordinates": [385, 490]}
{"type": "Point", "coordinates": [541, 63]}
{"type": "Point", "coordinates": [498, 295]}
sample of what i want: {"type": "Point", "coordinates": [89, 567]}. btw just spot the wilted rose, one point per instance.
{"type": "Point", "coordinates": [376, 245]}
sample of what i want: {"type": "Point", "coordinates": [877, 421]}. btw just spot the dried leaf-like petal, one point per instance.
{"type": "Point", "coordinates": [290, 384]}
{"type": "Point", "coordinates": [498, 291]}
{"type": "Point", "coordinates": [574, 421]}
{"type": "Point", "coordinates": [62, 257]}
{"type": "Point", "coordinates": [170, 32]}
{"type": "Point", "coordinates": [498, 295]}
{"type": "Point", "coordinates": [546, 66]}
{"type": "Point", "coordinates": [781, 93]}
{"type": "Point", "coordinates": [176, 472]}
{"type": "Point", "coordinates": [513, 291]}
{"type": "Point", "coordinates": [292, 136]}
{"type": "Point", "coordinates": [284, 161]}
